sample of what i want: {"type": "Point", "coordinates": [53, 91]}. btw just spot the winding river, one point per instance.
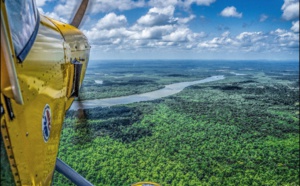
{"type": "Point", "coordinates": [164, 92]}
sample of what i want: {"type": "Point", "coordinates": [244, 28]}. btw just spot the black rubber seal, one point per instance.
{"type": "Point", "coordinates": [22, 55]}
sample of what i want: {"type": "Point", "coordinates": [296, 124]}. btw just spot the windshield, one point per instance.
{"type": "Point", "coordinates": [22, 16]}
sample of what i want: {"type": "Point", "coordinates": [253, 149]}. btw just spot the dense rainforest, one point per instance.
{"type": "Point", "coordinates": [243, 130]}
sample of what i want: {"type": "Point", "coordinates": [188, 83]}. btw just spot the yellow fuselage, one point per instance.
{"type": "Point", "coordinates": [46, 81]}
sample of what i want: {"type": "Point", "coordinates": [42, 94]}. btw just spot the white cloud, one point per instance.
{"type": "Point", "coordinates": [169, 10]}
{"type": "Point", "coordinates": [295, 26]}
{"type": "Point", "coordinates": [109, 5]}
{"type": "Point", "coordinates": [154, 19]}
{"type": "Point", "coordinates": [157, 16]}
{"type": "Point", "coordinates": [165, 3]}
{"type": "Point", "coordinates": [224, 41]}
{"type": "Point", "coordinates": [182, 3]}
{"type": "Point", "coordinates": [250, 36]}
{"type": "Point", "coordinates": [155, 32]}
{"type": "Point", "coordinates": [185, 19]}
{"type": "Point", "coordinates": [97, 36]}
{"type": "Point", "coordinates": [230, 11]}
{"type": "Point", "coordinates": [263, 17]}
{"type": "Point", "coordinates": [249, 39]}
{"type": "Point", "coordinates": [111, 20]}
{"type": "Point", "coordinates": [162, 16]}
{"type": "Point", "coordinates": [188, 3]}
{"type": "Point", "coordinates": [179, 35]}
{"type": "Point", "coordinates": [290, 9]}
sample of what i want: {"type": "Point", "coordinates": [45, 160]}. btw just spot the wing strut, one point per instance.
{"type": "Point", "coordinates": [80, 13]}
{"type": "Point", "coordinates": [69, 173]}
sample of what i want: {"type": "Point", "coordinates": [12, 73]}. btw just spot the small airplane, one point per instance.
{"type": "Point", "coordinates": [43, 64]}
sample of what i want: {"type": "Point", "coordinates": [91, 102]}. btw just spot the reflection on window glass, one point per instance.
{"type": "Point", "coordinates": [22, 21]}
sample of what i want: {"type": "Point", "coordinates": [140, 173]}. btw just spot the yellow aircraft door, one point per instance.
{"type": "Point", "coordinates": [46, 67]}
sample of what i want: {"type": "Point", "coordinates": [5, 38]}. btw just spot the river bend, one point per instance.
{"type": "Point", "coordinates": [164, 92]}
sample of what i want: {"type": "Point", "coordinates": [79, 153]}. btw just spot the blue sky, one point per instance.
{"type": "Point", "coordinates": [186, 29]}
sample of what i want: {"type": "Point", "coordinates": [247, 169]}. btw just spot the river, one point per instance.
{"type": "Point", "coordinates": [164, 92]}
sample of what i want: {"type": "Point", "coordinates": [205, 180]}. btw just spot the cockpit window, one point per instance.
{"type": "Point", "coordinates": [22, 16]}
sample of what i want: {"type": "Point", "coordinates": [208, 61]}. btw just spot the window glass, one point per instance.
{"type": "Point", "coordinates": [22, 18]}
